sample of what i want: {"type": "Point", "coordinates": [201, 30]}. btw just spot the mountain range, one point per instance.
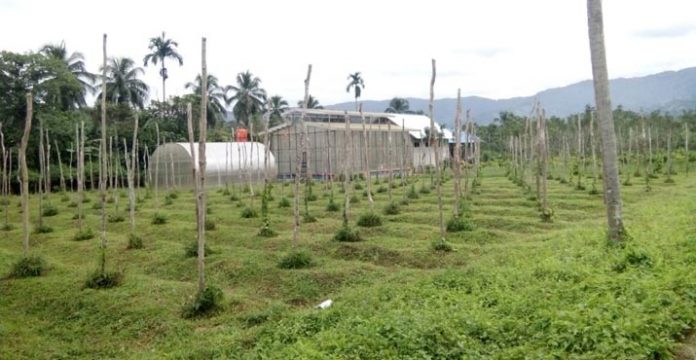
{"type": "Point", "coordinates": [669, 91]}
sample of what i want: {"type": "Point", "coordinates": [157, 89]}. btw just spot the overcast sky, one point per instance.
{"type": "Point", "coordinates": [492, 48]}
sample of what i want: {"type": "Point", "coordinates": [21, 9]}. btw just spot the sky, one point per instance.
{"type": "Point", "coordinates": [493, 48]}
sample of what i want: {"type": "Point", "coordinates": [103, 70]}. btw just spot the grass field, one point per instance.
{"type": "Point", "coordinates": [515, 287]}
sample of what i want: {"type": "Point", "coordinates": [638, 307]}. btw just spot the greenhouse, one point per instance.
{"type": "Point", "coordinates": [226, 162]}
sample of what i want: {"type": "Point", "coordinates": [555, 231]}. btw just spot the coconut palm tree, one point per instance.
{"type": "Point", "coordinates": [276, 105]}
{"type": "Point", "coordinates": [612, 189]}
{"type": "Point", "coordinates": [216, 98]}
{"type": "Point", "coordinates": [162, 48]}
{"type": "Point", "coordinates": [248, 96]}
{"type": "Point", "coordinates": [122, 83]}
{"type": "Point", "coordinates": [312, 103]}
{"type": "Point", "coordinates": [357, 83]}
{"type": "Point", "coordinates": [75, 63]}
{"type": "Point", "coordinates": [399, 106]}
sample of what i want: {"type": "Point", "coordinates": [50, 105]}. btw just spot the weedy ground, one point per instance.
{"type": "Point", "coordinates": [514, 286]}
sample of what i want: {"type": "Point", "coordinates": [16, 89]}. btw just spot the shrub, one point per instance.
{"type": "Point", "coordinates": [226, 192]}
{"type": "Point", "coordinates": [354, 199]}
{"type": "Point", "coordinates": [234, 197]}
{"type": "Point", "coordinates": [346, 234]}
{"type": "Point", "coordinates": [412, 194]}
{"type": "Point", "coordinates": [296, 260]}
{"type": "Point", "coordinates": [284, 203]}
{"type": "Point", "coordinates": [457, 224]}
{"type": "Point", "coordinates": [332, 206]}
{"type": "Point", "coordinates": [173, 195]}
{"type": "Point", "coordinates": [546, 215]}
{"type": "Point", "coordinates": [249, 213]}
{"type": "Point", "coordinates": [104, 280]}
{"type": "Point", "coordinates": [391, 209]}
{"type": "Point", "coordinates": [134, 242]}
{"type": "Point", "coordinates": [72, 204]}
{"type": "Point", "coordinates": [43, 229]}
{"type": "Point", "coordinates": [63, 198]}
{"type": "Point", "coordinates": [311, 197]}
{"type": "Point", "coordinates": [403, 202]}
{"type": "Point", "coordinates": [85, 234]}
{"type": "Point", "coordinates": [308, 218]}
{"type": "Point", "coordinates": [205, 302]}
{"type": "Point", "coordinates": [442, 245]}
{"type": "Point", "coordinates": [96, 206]}
{"type": "Point", "coordinates": [168, 201]}
{"type": "Point", "coordinates": [191, 250]}
{"type": "Point", "coordinates": [425, 189]}
{"type": "Point", "coordinates": [115, 218]}
{"type": "Point", "coordinates": [266, 231]}
{"type": "Point", "coordinates": [593, 191]}
{"type": "Point", "coordinates": [49, 210]}
{"type": "Point", "coordinates": [357, 186]}
{"type": "Point", "coordinates": [381, 190]}
{"type": "Point", "coordinates": [369, 219]}
{"type": "Point", "coordinates": [159, 219]}
{"type": "Point", "coordinates": [364, 193]}
{"type": "Point", "coordinates": [28, 267]}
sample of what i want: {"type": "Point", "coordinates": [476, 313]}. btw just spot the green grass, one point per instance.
{"type": "Point", "coordinates": [514, 286]}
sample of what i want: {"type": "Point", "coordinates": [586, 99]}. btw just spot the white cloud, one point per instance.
{"type": "Point", "coordinates": [495, 48]}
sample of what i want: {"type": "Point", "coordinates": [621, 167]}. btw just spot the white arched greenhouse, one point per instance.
{"type": "Point", "coordinates": [226, 162]}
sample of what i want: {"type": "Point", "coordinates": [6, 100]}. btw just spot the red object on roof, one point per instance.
{"type": "Point", "coordinates": [241, 135]}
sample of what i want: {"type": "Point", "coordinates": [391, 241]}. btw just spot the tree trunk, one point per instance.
{"type": "Point", "coordinates": [612, 189]}
{"type": "Point", "coordinates": [25, 175]}
{"type": "Point", "coordinates": [4, 184]}
{"type": "Point", "coordinates": [581, 154]}
{"type": "Point", "coordinates": [437, 153]}
{"type": "Point", "coordinates": [299, 148]}
{"type": "Point", "coordinates": [60, 166]}
{"type": "Point", "coordinates": [131, 173]}
{"type": "Point", "coordinates": [366, 170]}
{"type": "Point", "coordinates": [543, 166]}
{"type": "Point", "coordinates": [669, 154]}
{"type": "Point", "coordinates": [79, 178]}
{"type": "Point", "coordinates": [103, 164]}
{"type": "Point", "coordinates": [389, 160]}
{"type": "Point", "coordinates": [594, 156]}
{"type": "Point", "coordinates": [457, 153]}
{"type": "Point", "coordinates": [42, 168]}
{"type": "Point", "coordinates": [157, 166]}
{"type": "Point", "coordinates": [686, 146]}
{"type": "Point", "coordinates": [347, 160]}
{"type": "Point", "coordinates": [200, 193]}
{"type": "Point", "coordinates": [48, 164]}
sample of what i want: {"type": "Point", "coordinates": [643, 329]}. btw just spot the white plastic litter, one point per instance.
{"type": "Point", "coordinates": [325, 304]}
